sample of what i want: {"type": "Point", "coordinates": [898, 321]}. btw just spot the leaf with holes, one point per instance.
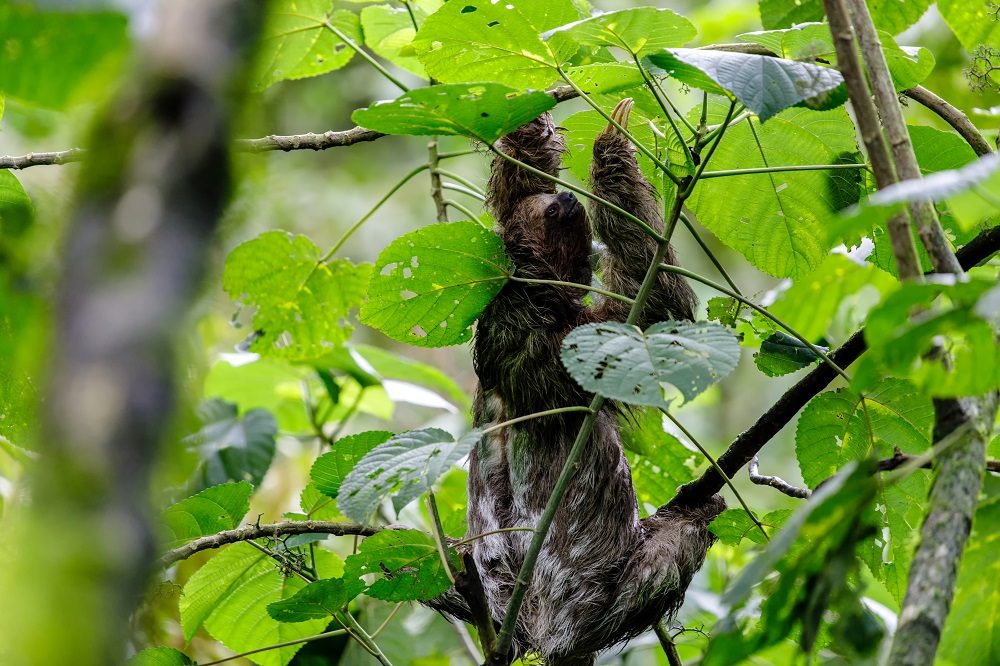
{"type": "Point", "coordinates": [316, 601]}
{"type": "Point", "coordinates": [481, 40]}
{"type": "Point", "coordinates": [764, 84]}
{"type": "Point", "coordinates": [212, 510]}
{"type": "Point", "coordinates": [331, 468]}
{"type": "Point", "coordinates": [621, 362]}
{"type": "Point", "coordinates": [482, 111]}
{"type": "Point", "coordinates": [298, 41]}
{"type": "Point", "coordinates": [232, 447]}
{"type": "Point", "coordinates": [403, 468]}
{"type": "Point", "coordinates": [639, 31]}
{"type": "Point", "coordinates": [430, 285]}
{"type": "Point", "coordinates": [407, 565]}
{"type": "Point", "coordinates": [302, 300]}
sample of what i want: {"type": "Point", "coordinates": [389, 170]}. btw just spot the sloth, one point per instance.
{"type": "Point", "coordinates": [603, 575]}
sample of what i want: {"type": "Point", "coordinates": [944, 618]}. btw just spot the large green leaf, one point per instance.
{"type": "Point", "coordinates": [16, 211]}
{"type": "Point", "coordinates": [621, 362]}
{"type": "Point", "coordinates": [902, 507]}
{"type": "Point", "coordinates": [639, 30]}
{"type": "Point", "coordinates": [482, 111]}
{"type": "Point", "coordinates": [302, 299]}
{"type": "Point", "coordinates": [977, 596]}
{"type": "Point", "coordinates": [389, 33]}
{"type": "Point", "coordinates": [894, 16]}
{"type": "Point", "coordinates": [403, 468]}
{"type": "Point", "coordinates": [214, 509]}
{"type": "Point", "coordinates": [974, 22]}
{"type": "Point", "coordinates": [160, 656]}
{"type": "Point", "coordinates": [776, 14]}
{"type": "Point", "coordinates": [839, 426]}
{"type": "Point", "coordinates": [430, 285]}
{"type": "Point", "coordinates": [317, 601]}
{"type": "Point", "coordinates": [779, 222]}
{"type": "Point", "coordinates": [765, 85]}
{"type": "Point", "coordinates": [297, 42]}
{"type": "Point", "coordinates": [331, 468]}
{"type": "Point", "coordinates": [233, 447]}
{"type": "Point", "coordinates": [55, 58]}
{"type": "Point", "coordinates": [229, 596]}
{"type": "Point", "coordinates": [406, 563]}
{"type": "Point", "coordinates": [480, 40]}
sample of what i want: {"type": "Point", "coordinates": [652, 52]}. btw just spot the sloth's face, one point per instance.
{"type": "Point", "coordinates": [556, 230]}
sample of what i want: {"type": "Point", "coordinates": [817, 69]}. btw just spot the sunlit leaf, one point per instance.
{"type": "Point", "coordinates": [407, 565]}
{"type": "Point", "coordinates": [430, 285]}
{"type": "Point", "coordinates": [330, 469]}
{"type": "Point", "coordinates": [389, 33]}
{"type": "Point", "coordinates": [659, 462]}
{"type": "Point", "coordinates": [316, 601]}
{"type": "Point", "coordinates": [621, 362]}
{"type": "Point", "coordinates": [214, 509]}
{"type": "Point", "coordinates": [974, 22]}
{"type": "Point", "coordinates": [160, 656]}
{"type": "Point", "coordinates": [639, 30]}
{"type": "Point", "coordinates": [776, 14]}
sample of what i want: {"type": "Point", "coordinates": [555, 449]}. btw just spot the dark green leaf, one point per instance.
{"type": "Point", "coordinates": [232, 447]}
{"type": "Point", "coordinates": [16, 211]}
{"type": "Point", "coordinates": [724, 310]}
{"type": "Point", "coordinates": [160, 656]}
{"type": "Point", "coordinates": [403, 468]}
{"type": "Point", "coordinates": [330, 469]}
{"type": "Point", "coordinates": [765, 85]}
{"type": "Point", "coordinates": [431, 284]}
{"type": "Point", "coordinates": [406, 563]}
{"type": "Point", "coordinates": [212, 510]}
{"type": "Point", "coordinates": [316, 601]}
{"type": "Point", "coordinates": [482, 111]}
{"type": "Point", "coordinates": [621, 362]}
{"type": "Point", "coordinates": [639, 30]}
{"type": "Point", "coordinates": [781, 354]}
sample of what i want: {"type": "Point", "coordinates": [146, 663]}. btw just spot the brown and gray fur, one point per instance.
{"type": "Point", "coordinates": [603, 574]}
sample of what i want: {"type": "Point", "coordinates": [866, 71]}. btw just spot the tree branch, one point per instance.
{"type": "Point", "coordinates": [775, 482]}
{"type": "Point", "coordinates": [953, 116]}
{"type": "Point", "coordinates": [252, 532]}
{"type": "Point", "coordinates": [41, 159]}
{"type": "Point", "coordinates": [899, 459]}
{"type": "Point", "coordinates": [753, 439]}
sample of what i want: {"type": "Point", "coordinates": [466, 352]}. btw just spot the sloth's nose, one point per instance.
{"type": "Point", "coordinates": [566, 198]}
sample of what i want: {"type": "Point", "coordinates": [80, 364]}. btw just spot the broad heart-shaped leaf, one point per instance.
{"type": "Point", "coordinates": [977, 597]}
{"type": "Point", "coordinates": [431, 284]}
{"type": "Point", "coordinates": [779, 222]}
{"type": "Point", "coordinates": [839, 426]}
{"type": "Point", "coordinates": [55, 58]}
{"type": "Point", "coordinates": [482, 40]}
{"type": "Point", "coordinates": [232, 447]}
{"type": "Point", "coordinates": [482, 111]}
{"type": "Point", "coordinates": [212, 510]}
{"type": "Point", "coordinates": [404, 468]}
{"type": "Point", "coordinates": [765, 85]}
{"type": "Point", "coordinates": [160, 656]}
{"type": "Point", "coordinates": [16, 211]}
{"type": "Point", "coordinates": [621, 362]}
{"type": "Point", "coordinates": [302, 301]}
{"type": "Point", "coordinates": [639, 31]}
{"type": "Point", "coordinates": [230, 594]}
{"type": "Point", "coordinates": [406, 562]}
{"type": "Point", "coordinates": [317, 600]}
{"type": "Point", "coordinates": [389, 33]}
{"type": "Point", "coordinates": [297, 42]}
{"type": "Point", "coordinates": [331, 468]}
{"type": "Point", "coordinates": [974, 22]}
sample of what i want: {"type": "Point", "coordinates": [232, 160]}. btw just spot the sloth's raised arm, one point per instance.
{"type": "Point", "coordinates": [538, 144]}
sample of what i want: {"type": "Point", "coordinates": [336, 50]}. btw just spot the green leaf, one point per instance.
{"type": "Point", "coordinates": [894, 16]}
{"type": "Point", "coordinates": [389, 33]}
{"type": "Point", "coordinates": [16, 211]}
{"type": "Point", "coordinates": [779, 225]}
{"type": "Point", "coordinates": [659, 462]}
{"type": "Point", "coordinates": [229, 596]}
{"type": "Point", "coordinates": [604, 78]}
{"type": "Point", "coordinates": [786, 13]}
{"type": "Point", "coordinates": [977, 597]}
{"type": "Point", "coordinates": [56, 58]}
{"type": "Point", "coordinates": [902, 506]}
{"type": "Point", "coordinates": [765, 85]}
{"type": "Point", "coordinates": [734, 525]}
{"type": "Point", "coordinates": [452, 498]}
{"type": "Point", "coordinates": [639, 30]}
{"type": "Point", "coordinates": [316, 601]}
{"type": "Point", "coordinates": [724, 309]}
{"type": "Point", "coordinates": [296, 42]}
{"type": "Point", "coordinates": [479, 40]}
{"type": "Point", "coordinates": [232, 447]}
{"type": "Point", "coordinates": [430, 285]}
{"type": "Point", "coordinates": [621, 362]}
{"type": "Point", "coordinates": [160, 656]}
{"type": "Point", "coordinates": [938, 150]}
{"type": "Point", "coordinates": [974, 22]}
{"type": "Point", "coordinates": [839, 426]}
{"type": "Point", "coordinates": [330, 469]}
{"type": "Point", "coordinates": [404, 468]}
{"type": "Point", "coordinates": [482, 111]}
{"type": "Point", "coordinates": [406, 563]}
{"type": "Point", "coordinates": [302, 300]}
{"type": "Point", "coordinates": [212, 510]}
{"type": "Point", "coordinates": [781, 354]}
{"type": "Point", "coordinates": [391, 366]}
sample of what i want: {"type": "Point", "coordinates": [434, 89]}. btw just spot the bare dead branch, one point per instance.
{"type": "Point", "coordinates": [775, 482]}
{"type": "Point", "coordinates": [41, 159]}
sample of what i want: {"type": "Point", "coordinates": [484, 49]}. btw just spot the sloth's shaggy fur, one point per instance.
{"type": "Point", "coordinates": [603, 574]}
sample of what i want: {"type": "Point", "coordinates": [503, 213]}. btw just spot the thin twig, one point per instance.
{"type": "Point", "coordinates": [775, 482]}
{"type": "Point", "coordinates": [276, 646]}
{"type": "Point", "coordinates": [953, 116]}
{"type": "Point", "coordinates": [42, 159]}
{"type": "Point", "coordinates": [667, 643]}
{"type": "Point", "coordinates": [436, 194]}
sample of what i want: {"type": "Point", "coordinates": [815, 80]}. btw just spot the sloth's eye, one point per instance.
{"type": "Point", "coordinates": [552, 210]}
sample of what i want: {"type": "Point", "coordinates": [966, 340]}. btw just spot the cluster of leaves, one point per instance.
{"type": "Point", "coordinates": [488, 63]}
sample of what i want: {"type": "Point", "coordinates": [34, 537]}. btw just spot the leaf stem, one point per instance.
{"type": "Point", "coordinates": [460, 179]}
{"type": "Point", "coordinates": [686, 219]}
{"type": "Point", "coordinates": [575, 285]}
{"type": "Point", "coordinates": [461, 208]}
{"type": "Point", "coordinates": [276, 646]}
{"type": "Point", "coordinates": [437, 530]}
{"type": "Point", "coordinates": [535, 415]}
{"type": "Point", "coordinates": [461, 189]}
{"type": "Point", "coordinates": [777, 169]}
{"type": "Point", "coordinates": [364, 54]}
{"type": "Point", "coordinates": [663, 107]}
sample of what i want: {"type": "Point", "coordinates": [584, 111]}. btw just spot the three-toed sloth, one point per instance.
{"type": "Point", "coordinates": [603, 575]}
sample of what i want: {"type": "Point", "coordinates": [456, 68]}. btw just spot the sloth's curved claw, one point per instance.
{"type": "Point", "coordinates": [620, 114]}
